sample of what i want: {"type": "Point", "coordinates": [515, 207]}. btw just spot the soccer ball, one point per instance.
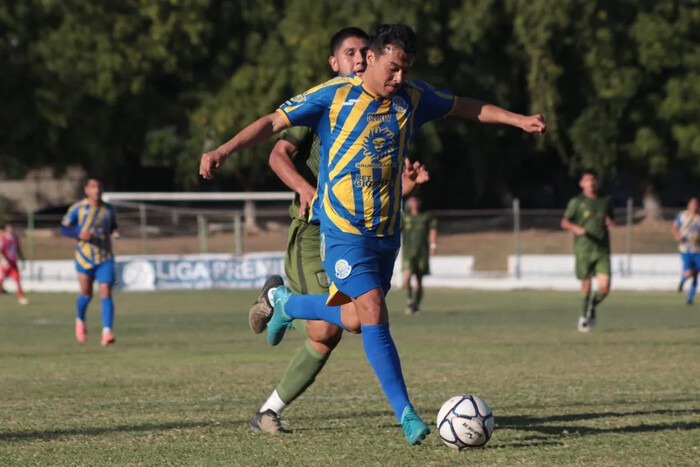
{"type": "Point", "coordinates": [465, 421]}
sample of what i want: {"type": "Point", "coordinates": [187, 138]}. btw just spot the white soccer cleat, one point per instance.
{"type": "Point", "coordinates": [583, 325]}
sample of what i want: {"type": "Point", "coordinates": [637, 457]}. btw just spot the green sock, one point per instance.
{"type": "Point", "coordinates": [301, 372]}
{"type": "Point", "coordinates": [598, 298]}
{"type": "Point", "coordinates": [419, 295]}
{"type": "Point", "coordinates": [586, 299]}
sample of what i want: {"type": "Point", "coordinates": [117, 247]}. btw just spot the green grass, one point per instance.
{"type": "Point", "coordinates": [186, 374]}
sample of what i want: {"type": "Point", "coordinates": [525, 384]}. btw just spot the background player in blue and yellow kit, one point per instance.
{"type": "Point", "coordinates": [366, 127]}
{"type": "Point", "coordinates": [686, 231]}
{"type": "Point", "coordinates": [92, 222]}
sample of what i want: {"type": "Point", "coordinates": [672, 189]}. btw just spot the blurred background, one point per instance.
{"type": "Point", "coordinates": [134, 92]}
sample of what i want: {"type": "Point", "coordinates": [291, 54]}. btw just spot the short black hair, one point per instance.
{"type": "Point", "coordinates": [91, 177]}
{"type": "Point", "coordinates": [585, 172]}
{"type": "Point", "coordinates": [345, 33]}
{"type": "Point", "coordinates": [397, 34]}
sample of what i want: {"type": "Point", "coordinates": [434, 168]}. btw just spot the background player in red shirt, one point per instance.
{"type": "Point", "coordinates": [10, 252]}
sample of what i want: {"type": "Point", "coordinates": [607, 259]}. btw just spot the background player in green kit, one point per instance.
{"type": "Point", "coordinates": [295, 159]}
{"type": "Point", "coordinates": [418, 243]}
{"type": "Point", "coordinates": [590, 218]}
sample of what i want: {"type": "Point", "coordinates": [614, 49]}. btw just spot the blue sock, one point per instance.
{"type": "Point", "coordinates": [693, 287]}
{"type": "Point", "coordinates": [107, 312]}
{"type": "Point", "coordinates": [382, 355]}
{"type": "Point", "coordinates": [313, 307]}
{"type": "Point", "coordinates": [82, 304]}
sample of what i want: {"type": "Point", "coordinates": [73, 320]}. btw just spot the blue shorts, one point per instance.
{"type": "Point", "coordinates": [691, 261]}
{"type": "Point", "coordinates": [356, 264]}
{"type": "Point", "coordinates": [103, 272]}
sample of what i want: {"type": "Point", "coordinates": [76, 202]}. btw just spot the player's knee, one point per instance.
{"type": "Point", "coordinates": [326, 341]}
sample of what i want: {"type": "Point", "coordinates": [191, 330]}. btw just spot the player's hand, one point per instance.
{"type": "Point", "coordinates": [534, 124]}
{"type": "Point", "coordinates": [579, 231]}
{"type": "Point", "coordinates": [609, 223]}
{"type": "Point", "coordinates": [85, 235]}
{"type": "Point", "coordinates": [210, 161]}
{"type": "Point", "coordinates": [116, 234]}
{"type": "Point", "coordinates": [306, 197]}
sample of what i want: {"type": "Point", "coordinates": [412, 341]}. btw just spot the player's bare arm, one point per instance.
{"type": "Point", "coordinates": [252, 135]}
{"type": "Point", "coordinates": [281, 163]}
{"type": "Point", "coordinates": [476, 110]}
{"type": "Point", "coordinates": [609, 223]}
{"type": "Point", "coordinates": [566, 224]}
{"type": "Point", "coordinates": [414, 174]}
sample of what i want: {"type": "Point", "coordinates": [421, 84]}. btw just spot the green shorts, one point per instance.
{"type": "Point", "coordinates": [302, 263]}
{"type": "Point", "coordinates": [417, 264]}
{"type": "Point", "coordinates": [591, 264]}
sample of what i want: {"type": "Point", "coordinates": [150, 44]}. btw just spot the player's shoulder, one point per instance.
{"type": "Point", "coordinates": [78, 204]}
{"type": "Point", "coordinates": [333, 84]}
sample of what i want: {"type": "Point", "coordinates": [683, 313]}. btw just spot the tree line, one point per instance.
{"type": "Point", "coordinates": [130, 88]}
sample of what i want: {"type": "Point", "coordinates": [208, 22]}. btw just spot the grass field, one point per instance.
{"type": "Point", "coordinates": [186, 374]}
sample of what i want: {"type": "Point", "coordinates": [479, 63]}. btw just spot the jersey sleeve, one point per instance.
{"type": "Point", "coordinates": [71, 217]}
{"type": "Point", "coordinates": [570, 213]}
{"type": "Point", "coordinates": [297, 135]}
{"type": "Point", "coordinates": [307, 109]}
{"type": "Point", "coordinates": [434, 103]}
{"type": "Point", "coordinates": [679, 219]}
{"type": "Point", "coordinates": [432, 222]}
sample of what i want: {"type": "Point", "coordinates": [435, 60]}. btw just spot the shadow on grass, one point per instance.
{"type": "Point", "coordinates": [97, 431]}
{"type": "Point", "coordinates": [569, 427]}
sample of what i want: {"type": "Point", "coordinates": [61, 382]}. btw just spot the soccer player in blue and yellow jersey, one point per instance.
{"type": "Point", "coordinates": [366, 126]}
{"type": "Point", "coordinates": [92, 222]}
{"type": "Point", "coordinates": [686, 231]}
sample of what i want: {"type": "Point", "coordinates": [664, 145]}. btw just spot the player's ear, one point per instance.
{"type": "Point", "coordinates": [369, 56]}
{"type": "Point", "coordinates": [333, 63]}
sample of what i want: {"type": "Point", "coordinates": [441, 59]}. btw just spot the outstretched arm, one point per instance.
{"type": "Point", "coordinates": [252, 135]}
{"type": "Point", "coordinates": [472, 109]}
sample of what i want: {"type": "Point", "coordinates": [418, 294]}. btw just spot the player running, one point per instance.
{"type": "Point", "coordinates": [686, 231]}
{"type": "Point", "coordinates": [295, 160]}
{"type": "Point", "coordinates": [92, 222]}
{"type": "Point", "coordinates": [366, 126]}
{"type": "Point", "coordinates": [10, 253]}
{"type": "Point", "coordinates": [590, 218]}
{"type": "Point", "coordinates": [418, 244]}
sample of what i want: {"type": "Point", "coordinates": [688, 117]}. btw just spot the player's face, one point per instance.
{"type": "Point", "coordinates": [589, 184]}
{"type": "Point", "coordinates": [349, 58]}
{"type": "Point", "coordinates": [693, 205]}
{"type": "Point", "coordinates": [413, 204]}
{"type": "Point", "coordinates": [9, 229]}
{"type": "Point", "coordinates": [389, 70]}
{"type": "Point", "coordinates": [93, 190]}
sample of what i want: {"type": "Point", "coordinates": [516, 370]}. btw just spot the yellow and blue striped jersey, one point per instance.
{"type": "Point", "coordinates": [101, 221]}
{"type": "Point", "coordinates": [364, 141]}
{"type": "Point", "coordinates": [689, 228]}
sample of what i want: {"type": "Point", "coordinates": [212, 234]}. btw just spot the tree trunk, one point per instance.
{"type": "Point", "coordinates": [652, 205]}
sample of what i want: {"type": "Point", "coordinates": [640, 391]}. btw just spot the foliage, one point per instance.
{"type": "Point", "coordinates": [117, 86]}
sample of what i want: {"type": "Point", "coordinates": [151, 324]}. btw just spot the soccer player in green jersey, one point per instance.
{"type": "Point", "coordinates": [418, 243]}
{"type": "Point", "coordinates": [295, 159]}
{"type": "Point", "coordinates": [366, 127]}
{"type": "Point", "coordinates": [590, 218]}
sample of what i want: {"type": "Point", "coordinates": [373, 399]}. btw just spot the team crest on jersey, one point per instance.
{"type": "Point", "coordinates": [399, 104]}
{"type": "Point", "coordinates": [298, 99]}
{"type": "Point", "coordinates": [378, 143]}
{"type": "Point", "coordinates": [342, 269]}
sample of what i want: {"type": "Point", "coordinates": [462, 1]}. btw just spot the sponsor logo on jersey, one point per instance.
{"type": "Point", "coordinates": [342, 269]}
{"type": "Point", "coordinates": [349, 102]}
{"type": "Point", "coordinates": [379, 118]}
{"type": "Point", "coordinates": [369, 181]}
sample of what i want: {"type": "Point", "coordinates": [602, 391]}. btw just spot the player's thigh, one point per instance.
{"type": "Point", "coordinates": [371, 307]}
{"type": "Point", "coordinates": [584, 266]}
{"type": "Point", "coordinates": [323, 332]}
{"type": "Point", "coordinates": [303, 267]}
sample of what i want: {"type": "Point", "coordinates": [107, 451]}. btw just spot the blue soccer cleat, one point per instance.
{"type": "Point", "coordinates": [280, 320]}
{"type": "Point", "coordinates": [414, 428]}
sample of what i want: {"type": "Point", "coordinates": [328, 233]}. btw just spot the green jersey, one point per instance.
{"type": "Point", "coordinates": [415, 233]}
{"type": "Point", "coordinates": [306, 159]}
{"type": "Point", "coordinates": [590, 214]}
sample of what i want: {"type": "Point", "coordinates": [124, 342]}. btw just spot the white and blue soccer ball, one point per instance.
{"type": "Point", "coordinates": [465, 421]}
